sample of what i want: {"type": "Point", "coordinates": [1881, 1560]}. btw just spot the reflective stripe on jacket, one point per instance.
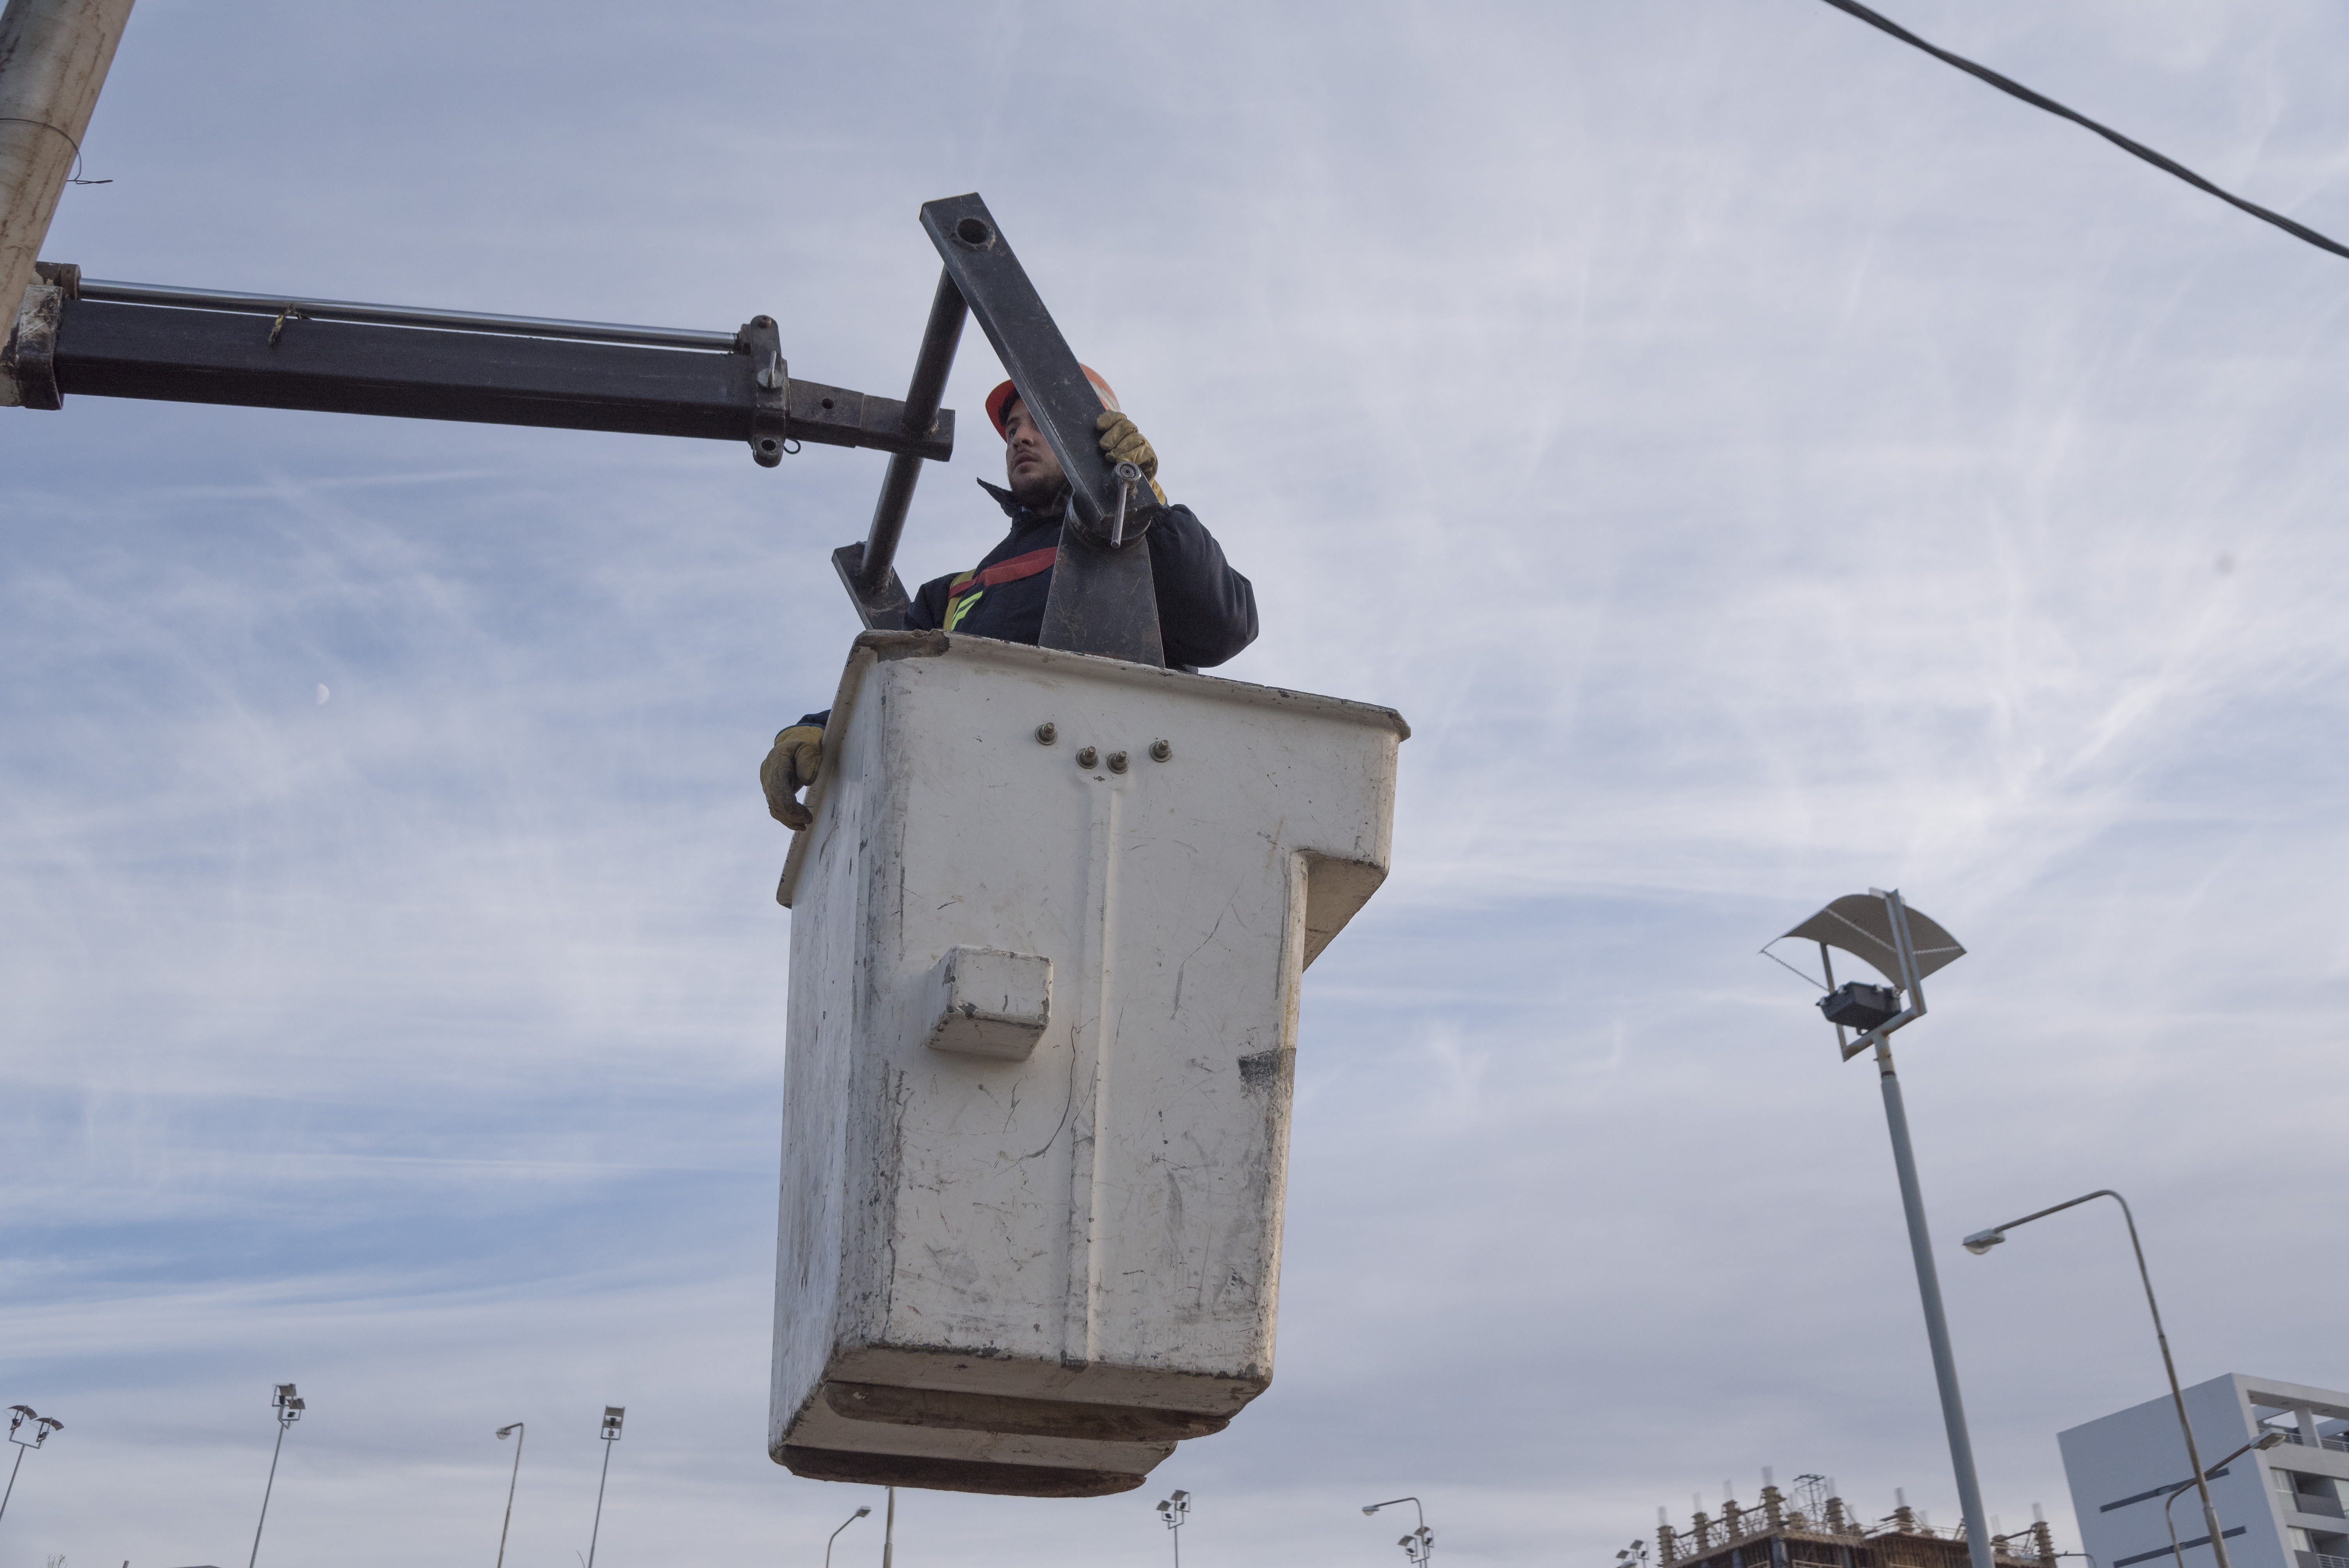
{"type": "Point", "coordinates": [963, 594]}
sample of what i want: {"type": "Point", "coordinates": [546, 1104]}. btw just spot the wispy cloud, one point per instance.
{"type": "Point", "coordinates": [1760, 462]}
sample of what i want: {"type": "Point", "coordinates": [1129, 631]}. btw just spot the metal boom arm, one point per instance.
{"type": "Point", "coordinates": [134, 340]}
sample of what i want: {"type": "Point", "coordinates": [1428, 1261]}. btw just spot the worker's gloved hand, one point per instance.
{"type": "Point", "coordinates": [1121, 443]}
{"type": "Point", "coordinates": [790, 768]}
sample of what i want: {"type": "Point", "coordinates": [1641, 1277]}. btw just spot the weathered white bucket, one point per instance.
{"type": "Point", "coordinates": [1048, 931]}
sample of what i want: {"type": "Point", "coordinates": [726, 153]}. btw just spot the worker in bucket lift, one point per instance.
{"type": "Point", "coordinates": [1207, 611]}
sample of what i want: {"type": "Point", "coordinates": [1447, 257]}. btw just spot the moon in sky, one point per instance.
{"type": "Point", "coordinates": [323, 695]}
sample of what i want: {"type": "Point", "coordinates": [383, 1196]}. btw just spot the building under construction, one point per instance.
{"type": "Point", "coordinates": [1811, 1528]}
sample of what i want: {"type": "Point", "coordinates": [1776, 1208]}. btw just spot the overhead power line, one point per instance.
{"type": "Point", "coordinates": [2040, 100]}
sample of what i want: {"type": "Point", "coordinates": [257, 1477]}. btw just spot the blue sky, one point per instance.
{"type": "Point", "coordinates": [1760, 462]}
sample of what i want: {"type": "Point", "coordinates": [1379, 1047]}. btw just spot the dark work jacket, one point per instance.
{"type": "Point", "coordinates": [1207, 611]}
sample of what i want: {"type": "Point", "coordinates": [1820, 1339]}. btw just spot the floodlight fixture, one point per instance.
{"type": "Point", "coordinates": [1419, 1544]}
{"type": "Point", "coordinates": [1904, 946]}
{"type": "Point", "coordinates": [42, 1426]}
{"type": "Point", "coordinates": [1173, 1510]}
{"type": "Point", "coordinates": [1856, 1005]}
{"type": "Point", "coordinates": [612, 1416]}
{"type": "Point", "coordinates": [288, 1407]}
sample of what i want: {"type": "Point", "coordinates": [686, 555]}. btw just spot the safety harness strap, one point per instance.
{"type": "Point", "coordinates": [964, 592]}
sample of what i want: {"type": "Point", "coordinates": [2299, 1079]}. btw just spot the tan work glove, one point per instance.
{"type": "Point", "coordinates": [1121, 443]}
{"type": "Point", "coordinates": [790, 768]}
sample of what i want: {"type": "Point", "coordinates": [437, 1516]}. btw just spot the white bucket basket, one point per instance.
{"type": "Point", "coordinates": [1048, 931]}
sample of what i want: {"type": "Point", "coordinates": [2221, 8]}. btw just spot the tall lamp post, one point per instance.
{"type": "Point", "coordinates": [42, 1426]}
{"type": "Point", "coordinates": [1173, 1510]}
{"type": "Point", "coordinates": [1419, 1544]}
{"type": "Point", "coordinates": [2177, 1554]}
{"type": "Point", "coordinates": [289, 1408]}
{"type": "Point", "coordinates": [516, 1433]}
{"type": "Point", "coordinates": [612, 1416]}
{"type": "Point", "coordinates": [1879, 929]}
{"type": "Point", "coordinates": [1981, 1241]}
{"type": "Point", "coordinates": [860, 1513]}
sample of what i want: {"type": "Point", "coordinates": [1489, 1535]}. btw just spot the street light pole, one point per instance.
{"type": "Point", "coordinates": [612, 1416]}
{"type": "Point", "coordinates": [1937, 1323]}
{"type": "Point", "coordinates": [1173, 1510]}
{"type": "Point", "coordinates": [516, 1432]}
{"type": "Point", "coordinates": [42, 1426]}
{"type": "Point", "coordinates": [1419, 1544]}
{"type": "Point", "coordinates": [2177, 1555]}
{"type": "Point", "coordinates": [1981, 1241]}
{"type": "Point", "coordinates": [289, 1408]}
{"type": "Point", "coordinates": [889, 1529]}
{"type": "Point", "coordinates": [844, 1523]}
{"type": "Point", "coordinates": [1879, 927]}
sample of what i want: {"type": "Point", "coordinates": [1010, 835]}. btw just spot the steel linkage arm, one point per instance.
{"type": "Point", "coordinates": [1102, 599]}
{"type": "Point", "coordinates": [868, 570]}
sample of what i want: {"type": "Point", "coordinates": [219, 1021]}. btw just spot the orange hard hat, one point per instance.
{"type": "Point", "coordinates": [1003, 397]}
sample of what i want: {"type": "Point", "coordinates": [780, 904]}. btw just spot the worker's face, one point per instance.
{"type": "Point", "coordinates": [1030, 470]}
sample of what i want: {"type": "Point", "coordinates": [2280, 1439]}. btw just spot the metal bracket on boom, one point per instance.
{"type": "Point", "coordinates": [770, 390]}
{"type": "Point", "coordinates": [1102, 599]}
{"type": "Point", "coordinates": [28, 360]}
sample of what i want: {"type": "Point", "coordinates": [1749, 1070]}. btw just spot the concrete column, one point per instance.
{"type": "Point", "coordinates": [54, 55]}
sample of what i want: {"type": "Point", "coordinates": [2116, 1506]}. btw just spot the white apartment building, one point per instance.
{"type": "Point", "coordinates": [2280, 1508]}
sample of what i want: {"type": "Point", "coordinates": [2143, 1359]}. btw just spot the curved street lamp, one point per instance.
{"type": "Point", "coordinates": [2177, 1555]}
{"type": "Point", "coordinates": [1419, 1544]}
{"type": "Point", "coordinates": [1877, 928]}
{"type": "Point", "coordinates": [1981, 1243]}
{"type": "Point", "coordinates": [516, 1433]}
{"type": "Point", "coordinates": [844, 1523]}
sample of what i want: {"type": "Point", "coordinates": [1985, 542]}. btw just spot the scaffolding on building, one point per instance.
{"type": "Point", "coordinates": [1811, 1528]}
